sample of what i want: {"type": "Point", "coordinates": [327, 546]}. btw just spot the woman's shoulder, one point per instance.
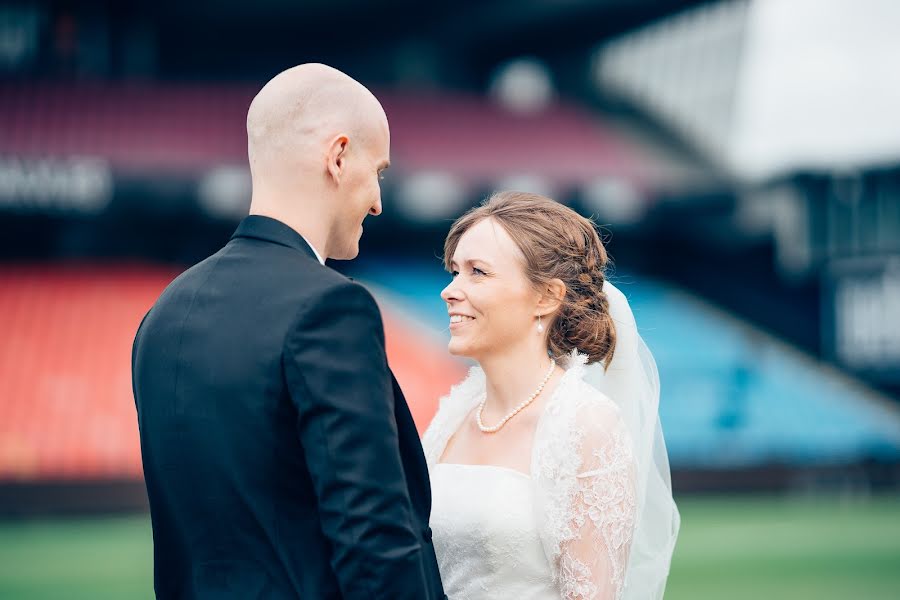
{"type": "Point", "coordinates": [581, 395]}
{"type": "Point", "coordinates": [592, 400]}
{"type": "Point", "coordinates": [589, 412]}
{"type": "Point", "coordinates": [588, 429]}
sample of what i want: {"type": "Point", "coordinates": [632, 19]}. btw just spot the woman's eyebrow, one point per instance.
{"type": "Point", "coordinates": [470, 261]}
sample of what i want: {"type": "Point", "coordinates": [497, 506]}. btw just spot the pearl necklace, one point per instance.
{"type": "Point", "coordinates": [516, 410]}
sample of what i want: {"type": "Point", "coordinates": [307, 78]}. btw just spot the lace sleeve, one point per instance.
{"type": "Point", "coordinates": [593, 561]}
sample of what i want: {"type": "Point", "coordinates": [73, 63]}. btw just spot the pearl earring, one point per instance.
{"type": "Point", "coordinates": [540, 327]}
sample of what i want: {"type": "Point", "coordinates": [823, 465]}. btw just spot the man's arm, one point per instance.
{"type": "Point", "coordinates": [338, 377]}
{"type": "Point", "coordinates": [134, 348]}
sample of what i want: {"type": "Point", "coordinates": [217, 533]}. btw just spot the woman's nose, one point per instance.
{"type": "Point", "coordinates": [451, 292]}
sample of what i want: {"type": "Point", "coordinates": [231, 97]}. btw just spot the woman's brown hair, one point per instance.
{"type": "Point", "coordinates": [557, 243]}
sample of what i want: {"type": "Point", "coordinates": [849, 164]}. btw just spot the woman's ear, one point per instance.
{"type": "Point", "coordinates": [337, 157]}
{"type": "Point", "coordinates": [552, 297]}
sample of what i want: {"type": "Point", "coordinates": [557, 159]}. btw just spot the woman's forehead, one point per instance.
{"type": "Point", "coordinates": [487, 240]}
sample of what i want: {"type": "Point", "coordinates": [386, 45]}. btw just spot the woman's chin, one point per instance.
{"type": "Point", "coordinates": [457, 347]}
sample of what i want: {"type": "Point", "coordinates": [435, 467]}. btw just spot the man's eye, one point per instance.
{"type": "Point", "coordinates": [477, 271]}
{"type": "Point", "coordinates": [453, 274]}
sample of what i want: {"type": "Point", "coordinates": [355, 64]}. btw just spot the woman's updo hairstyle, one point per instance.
{"type": "Point", "coordinates": [557, 243]}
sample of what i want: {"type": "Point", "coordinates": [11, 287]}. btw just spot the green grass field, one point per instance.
{"type": "Point", "coordinates": [734, 549]}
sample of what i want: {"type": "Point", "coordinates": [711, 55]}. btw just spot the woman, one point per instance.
{"type": "Point", "coordinates": [540, 480]}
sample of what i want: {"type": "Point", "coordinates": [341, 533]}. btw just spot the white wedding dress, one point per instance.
{"type": "Point", "coordinates": [488, 546]}
{"type": "Point", "coordinates": [594, 518]}
{"type": "Point", "coordinates": [562, 531]}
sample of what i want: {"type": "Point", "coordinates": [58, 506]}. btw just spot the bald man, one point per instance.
{"type": "Point", "coordinates": [280, 457]}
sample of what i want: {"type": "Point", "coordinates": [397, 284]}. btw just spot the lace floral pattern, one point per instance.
{"type": "Point", "coordinates": [603, 513]}
{"type": "Point", "coordinates": [582, 480]}
{"type": "Point", "coordinates": [575, 579]}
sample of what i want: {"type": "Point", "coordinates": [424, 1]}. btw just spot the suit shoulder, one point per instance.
{"type": "Point", "coordinates": [343, 308]}
{"type": "Point", "coordinates": [337, 292]}
{"type": "Point", "coordinates": [191, 275]}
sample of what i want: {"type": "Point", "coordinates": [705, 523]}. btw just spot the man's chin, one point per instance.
{"type": "Point", "coordinates": [348, 254]}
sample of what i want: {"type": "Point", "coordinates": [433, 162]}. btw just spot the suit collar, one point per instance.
{"type": "Point", "coordinates": [272, 230]}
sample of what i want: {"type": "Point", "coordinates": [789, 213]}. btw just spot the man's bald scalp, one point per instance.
{"type": "Point", "coordinates": [303, 108]}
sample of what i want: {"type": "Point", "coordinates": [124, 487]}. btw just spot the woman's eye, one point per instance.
{"type": "Point", "coordinates": [476, 272]}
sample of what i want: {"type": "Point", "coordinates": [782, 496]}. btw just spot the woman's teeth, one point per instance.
{"type": "Point", "coordinates": [460, 318]}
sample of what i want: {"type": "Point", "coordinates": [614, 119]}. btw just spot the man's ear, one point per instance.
{"type": "Point", "coordinates": [552, 295]}
{"type": "Point", "coordinates": [336, 157]}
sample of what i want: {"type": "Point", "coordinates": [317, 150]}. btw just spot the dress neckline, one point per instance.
{"type": "Point", "coordinates": [574, 371]}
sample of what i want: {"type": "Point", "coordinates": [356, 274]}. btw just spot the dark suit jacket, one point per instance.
{"type": "Point", "coordinates": [280, 457]}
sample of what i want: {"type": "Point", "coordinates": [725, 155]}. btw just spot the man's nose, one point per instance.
{"type": "Point", "coordinates": [376, 208]}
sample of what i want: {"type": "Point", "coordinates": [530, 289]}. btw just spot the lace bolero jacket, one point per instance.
{"type": "Point", "coordinates": [582, 478]}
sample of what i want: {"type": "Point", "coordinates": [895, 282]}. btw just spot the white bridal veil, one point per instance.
{"type": "Point", "coordinates": [632, 382]}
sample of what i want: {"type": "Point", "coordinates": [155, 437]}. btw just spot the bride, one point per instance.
{"type": "Point", "coordinates": [549, 471]}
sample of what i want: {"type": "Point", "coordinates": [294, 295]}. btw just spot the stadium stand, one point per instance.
{"type": "Point", "coordinates": [65, 374]}
{"type": "Point", "coordinates": [185, 128]}
{"type": "Point", "coordinates": [732, 396]}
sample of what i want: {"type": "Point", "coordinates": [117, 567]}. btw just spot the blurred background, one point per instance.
{"type": "Point", "coordinates": [742, 156]}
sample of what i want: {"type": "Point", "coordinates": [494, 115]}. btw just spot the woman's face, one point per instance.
{"type": "Point", "coordinates": [492, 304]}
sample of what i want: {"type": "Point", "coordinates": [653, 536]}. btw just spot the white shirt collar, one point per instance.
{"type": "Point", "coordinates": [316, 252]}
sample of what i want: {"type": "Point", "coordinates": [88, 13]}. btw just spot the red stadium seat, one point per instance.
{"type": "Point", "coordinates": [66, 406]}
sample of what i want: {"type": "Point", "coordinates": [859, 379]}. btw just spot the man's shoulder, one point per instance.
{"type": "Point", "coordinates": [288, 277]}
{"type": "Point", "coordinates": [263, 266]}
{"type": "Point", "coordinates": [338, 305]}
{"type": "Point", "coordinates": [334, 290]}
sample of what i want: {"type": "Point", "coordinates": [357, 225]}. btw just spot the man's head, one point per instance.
{"type": "Point", "coordinates": [318, 142]}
